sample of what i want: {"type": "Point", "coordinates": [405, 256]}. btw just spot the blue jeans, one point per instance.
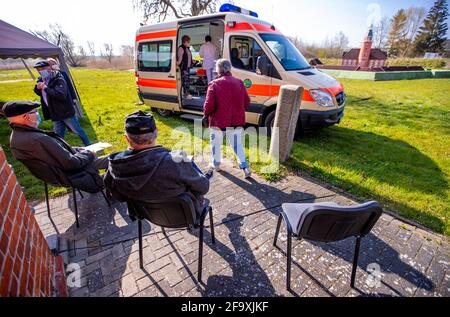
{"type": "Point", "coordinates": [234, 138]}
{"type": "Point", "coordinates": [74, 126]}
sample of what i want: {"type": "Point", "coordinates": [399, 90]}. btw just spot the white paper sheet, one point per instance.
{"type": "Point", "coordinates": [97, 147]}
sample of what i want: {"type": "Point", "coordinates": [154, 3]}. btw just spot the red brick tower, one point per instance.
{"type": "Point", "coordinates": [364, 54]}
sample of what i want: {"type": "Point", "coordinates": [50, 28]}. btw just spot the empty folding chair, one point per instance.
{"type": "Point", "coordinates": [173, 213]}
{"type": "Point", "coordinates": [327, 222]}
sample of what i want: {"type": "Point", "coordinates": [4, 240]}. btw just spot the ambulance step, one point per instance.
{"type": "Point", "coordinates": [191, 117]}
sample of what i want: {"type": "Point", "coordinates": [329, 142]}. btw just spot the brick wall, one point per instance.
{"type": "Point", "coordinates": [27, 266]}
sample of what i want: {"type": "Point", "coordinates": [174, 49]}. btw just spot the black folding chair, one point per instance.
{"type": "Point", "coordinates": [48, 174]}
{"type": "Point", "coordinates": [74, 195]}
{"type": "Point", "coordinates": [327, 222]}
{"type": "Point", "coordinates": [173, 213]}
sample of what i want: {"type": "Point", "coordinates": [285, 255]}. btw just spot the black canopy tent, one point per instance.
{"type": "Point", "coordinates": [16, 43]}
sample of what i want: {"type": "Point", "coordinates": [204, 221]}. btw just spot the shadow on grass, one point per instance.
{"type": "Point", "coordinates": [368, 156]}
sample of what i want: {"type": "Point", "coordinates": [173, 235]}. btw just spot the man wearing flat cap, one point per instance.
{"type": "Point", "coordinates": [36, 148]}
{"type": "Point", "coordinates": [57, 103]}
{"type": "Point", "coordinates": [148, 172]}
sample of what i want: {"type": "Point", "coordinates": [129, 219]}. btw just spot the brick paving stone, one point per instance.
{"type": "Point", "coordinates": [129, 287]}
{"type": "Point", "coordinates": [243, 262]}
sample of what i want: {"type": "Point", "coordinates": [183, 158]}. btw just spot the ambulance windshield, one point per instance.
{"type": "Point", "coordinates": [286, 53]}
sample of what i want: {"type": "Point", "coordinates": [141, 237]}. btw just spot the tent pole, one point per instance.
{"type": "Point", "coordinates": [64, 67]}
{"type": "Point", "coordinates": [28, 69]}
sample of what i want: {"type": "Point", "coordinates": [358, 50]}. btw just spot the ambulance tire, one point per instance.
{"type": "Point", "coordinates": [270, 121]}
{"type": "Point", "coordinates": [163, 112]}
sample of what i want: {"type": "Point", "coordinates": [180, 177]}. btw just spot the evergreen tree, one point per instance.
{"type": "Point", "coordinates": [432, 34]}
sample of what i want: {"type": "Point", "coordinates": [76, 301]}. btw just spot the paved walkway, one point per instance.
{"type": "Point", "coordinates": [413, 262]}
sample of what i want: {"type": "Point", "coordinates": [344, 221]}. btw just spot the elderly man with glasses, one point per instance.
{"type": "Point", "coordinates": [57, 102]}
{"type": "Point", "coordinates": [34, 146]}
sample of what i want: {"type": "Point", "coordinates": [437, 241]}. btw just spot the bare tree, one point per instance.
{"type": "Point", "coordinates": [91, 48]}
{"type": "Point", "coordinates": [416, 17]}
{"type": "Point", "coordinates": [340, 44]}
{"type": "Point", "coordinates": [108, 52]}
{"type": "Point", "coordinates": [330, 48]}
{"type": "Point", "coordinates": [53, 34]}
{"type": "Point", "coordinates": [75, 55]}
{"type": "Point", "coordinates": [381, 32]}
{"type": "Point", "coordinates": [160, 10]}
{"type": "Point", "coordinates": [127, 51]}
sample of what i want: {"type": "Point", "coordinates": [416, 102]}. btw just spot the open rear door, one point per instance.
{"type": "Point", "coordinates": [197, 31]}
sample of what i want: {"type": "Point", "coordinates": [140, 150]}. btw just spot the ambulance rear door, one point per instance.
{"type": "Point", "coordinates": [156, 69]}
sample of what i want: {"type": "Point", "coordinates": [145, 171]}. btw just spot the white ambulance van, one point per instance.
{"type": "Point", "coordinates": [242, 38]}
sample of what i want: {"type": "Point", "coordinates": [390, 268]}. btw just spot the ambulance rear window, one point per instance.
{"type": "Point", "coordinates": [155, 56]}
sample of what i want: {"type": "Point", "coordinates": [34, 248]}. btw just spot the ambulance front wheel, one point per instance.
{"type": "Point", "coordinates": [163, 112]}
{"type": "Point", "coordinates": [270, 121]}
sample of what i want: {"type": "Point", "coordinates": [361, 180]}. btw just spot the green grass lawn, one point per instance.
{"type": "Point", "coordinates": [392, 146]}
{"type": "Point", "coordinates": [16, 74]}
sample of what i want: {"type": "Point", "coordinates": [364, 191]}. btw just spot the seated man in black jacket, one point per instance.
{"type": "Point", "coordinates": [235, 60]}
{"type": "Point", "coordinates": [57, 104]}
{"type": "Point", "coordinates": [48, 156]}
{"type": "Point", "coordinates": [148, 172]}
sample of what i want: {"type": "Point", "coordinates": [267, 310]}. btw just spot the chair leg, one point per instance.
{"type": "Point", "coordinates": [211, 224]}
{"type": "Point", "coordinates": [76, 206]}
{"type": "Point", "coordinates": [355, 261]}
{"type": "Point", "coordinates": [81, 194]}
{"type": "Point", "coordinates": [164, 231]}
{"type": "Point", "coordinates": [106, 198]}
{"type": "Point", "coordinates": [277, 231]}
{"type": "Point", "coordinates": [289, 261]}
{"type": "Point", "coordinates": [141, 260]}
{"type": "Point", "coordinates": [47, 200]}
{"type": "Point", "coordinates": [200, 253]}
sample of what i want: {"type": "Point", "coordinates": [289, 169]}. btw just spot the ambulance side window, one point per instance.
{"type": "Point", "coordinates": [247, 54]}
{"type": "Point", "coordinates": [155, 56]}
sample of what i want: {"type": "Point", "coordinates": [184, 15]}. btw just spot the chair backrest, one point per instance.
{"type": "Point", "coordinates": [328, 224]}
{"type": "Point", "coordinates": [176, 213]}
{"type": "Point", "coordinates": [47, 173]}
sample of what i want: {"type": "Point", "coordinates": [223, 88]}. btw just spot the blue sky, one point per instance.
{"type": "Point", "coordinates": [114, 21]}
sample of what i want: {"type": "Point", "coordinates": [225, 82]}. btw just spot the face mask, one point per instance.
{"type": "Point", "coordinates": [44, 73]}
{"type": "Point", "coordinates": [39, 119]}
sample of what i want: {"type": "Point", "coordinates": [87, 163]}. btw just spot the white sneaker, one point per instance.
{"type": "Point", "coordinates": [214, 168]}
{"type": "Point", "coordinates": [247, 173]}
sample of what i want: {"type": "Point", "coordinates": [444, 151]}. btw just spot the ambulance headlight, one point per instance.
{"type": "Point", "coordinates": [322, 98]}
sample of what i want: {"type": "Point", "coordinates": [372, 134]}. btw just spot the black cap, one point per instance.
{"type": "Point", "coordinates": [140, 122]}
{"type": "Point", "coordinates": [18, 107]}
{"type": "Point", "coordinates": [41, 64]}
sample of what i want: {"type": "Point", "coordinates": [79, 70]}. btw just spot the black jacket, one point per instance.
{"type": "Point", "coordinates": [154, 174]}
{"type": "Point", "coordinates": [51, 159]}
{"type": "Point", "coordinates": [60, 103]}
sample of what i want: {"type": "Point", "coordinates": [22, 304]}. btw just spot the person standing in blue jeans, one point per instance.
{"type": "Point", "coordinates": [57, 104]}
